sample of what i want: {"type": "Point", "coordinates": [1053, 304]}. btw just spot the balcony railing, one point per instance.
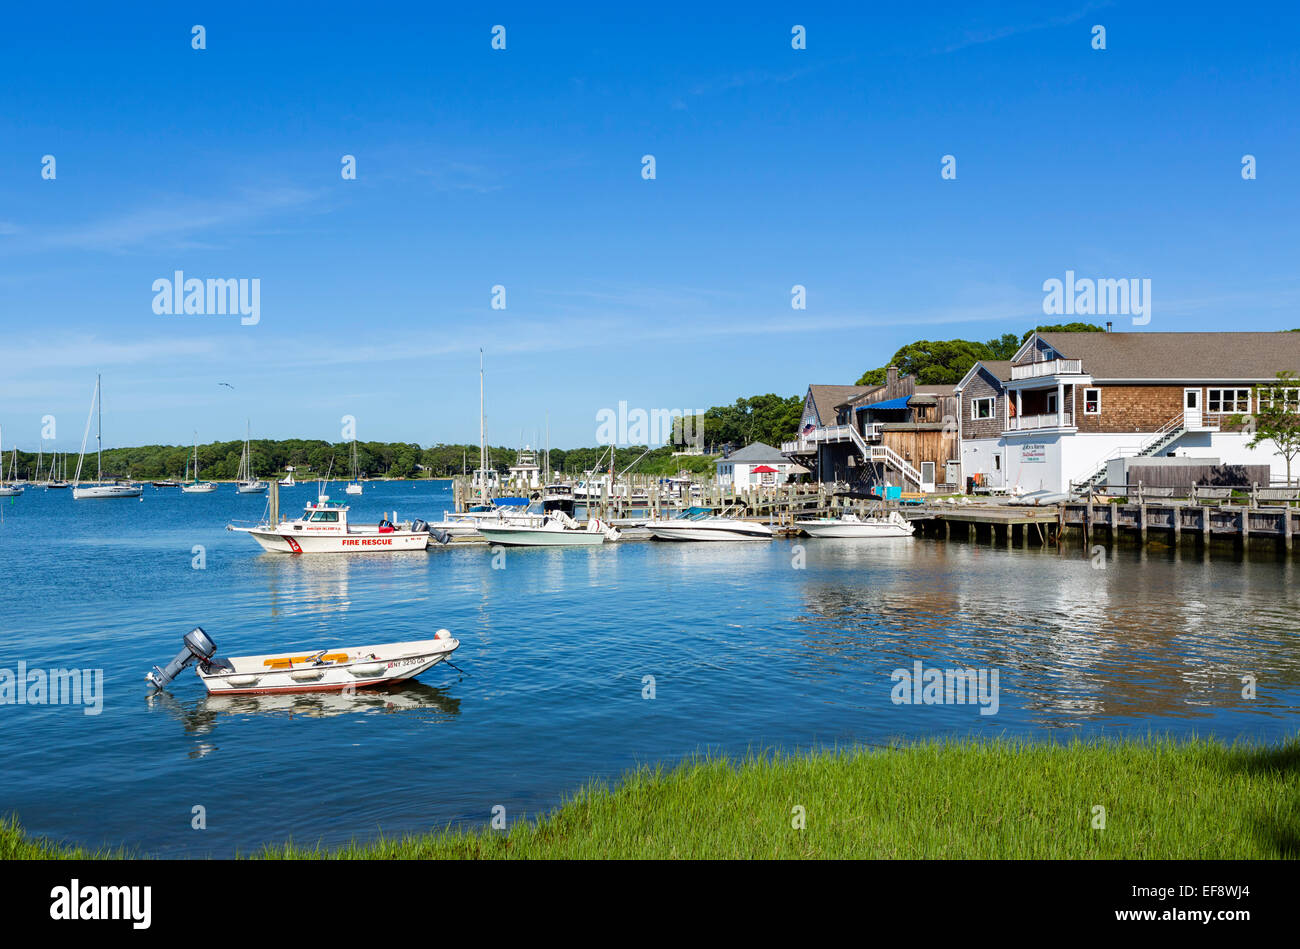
{"type": "Point", "coordinates": [1030, 422]}
{"type": "Point", "coordinates": [806, 444]}
{"type": "Point", "coordinates": [1050, 367]}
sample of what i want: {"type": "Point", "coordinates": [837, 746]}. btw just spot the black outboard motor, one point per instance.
{"type": "Point", "coordinates": [197, 646]}
{"type": "Point", "coordinates": [422, 526]}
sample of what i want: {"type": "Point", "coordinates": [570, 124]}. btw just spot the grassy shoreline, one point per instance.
{"type": "Point", "coordinates": [1198, 799]}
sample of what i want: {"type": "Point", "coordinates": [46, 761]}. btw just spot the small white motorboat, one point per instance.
{"type": "Point", "coordinates": [555, 529]}
{"type": "Point", "coordinates": [324, 670]}
{"type": "Point", "coordinates": [697, 523]}
{"type": "Point", "coordinates": [324, 529]}
{"type": "Point", "coordinates": [851, 526]}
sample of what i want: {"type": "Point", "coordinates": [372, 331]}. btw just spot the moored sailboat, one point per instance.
{"type": "Point", "coordinates": [196, 486]}
{"type": "Point", "coordinates": [99, 489]}
{"type": "Point", "coordinates": [246, 483]}
{"type": "Point", "coordinates": [354, 486]}
{"type": "Point", "coordinates": [9, 489]}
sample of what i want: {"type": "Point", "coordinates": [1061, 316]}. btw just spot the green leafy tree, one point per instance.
{"type": "Point", "coordinates": [1277, 418]}
{"type": "Point", "coordinates": [944, 362]}
{"type": "Point", "coordinates": [1060, 328]}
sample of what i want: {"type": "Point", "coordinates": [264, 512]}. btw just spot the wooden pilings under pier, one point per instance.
{"type": "Point", "coordinates": [1145, 524]}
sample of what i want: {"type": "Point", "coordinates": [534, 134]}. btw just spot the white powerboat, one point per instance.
{"type": "Point", "coordinates": [324, 529]}
{"type": "Point", "coordinates": [99, 488]}
{"type": "Point", "coordinates": [850, 525]}
{"type": "Point", "coordinates": [555, 529]}
{"type": "Point", "coordinates": [306, 671]}
{"type": "Point", "coordinates": [697, 523]}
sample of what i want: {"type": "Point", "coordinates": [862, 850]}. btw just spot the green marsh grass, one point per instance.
{"type": "Point", "coordinates": [1163, 799]}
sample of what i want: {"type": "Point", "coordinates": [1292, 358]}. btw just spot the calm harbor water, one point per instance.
{"type": "Point", "coordinates": [747, 651]}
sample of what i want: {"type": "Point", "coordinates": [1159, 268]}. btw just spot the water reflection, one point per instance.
{"type": "Point", "coordinates": [201, 716]}
{"type": "Point", "coordinates": [1148, 635]}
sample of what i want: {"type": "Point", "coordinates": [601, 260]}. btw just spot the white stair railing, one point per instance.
{"type": "Point", "coordinates": [1163, 434]}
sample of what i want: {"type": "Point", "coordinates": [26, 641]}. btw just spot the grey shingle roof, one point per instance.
{"type": "Point", "coordinates": [1210, 356]}
{"type": "Point", "coordinates": [826, 398]}
{"type": "Point", "coordinates": [756, 453]}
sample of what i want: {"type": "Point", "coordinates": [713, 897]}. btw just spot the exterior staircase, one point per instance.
{"type": "Point", "coordinates": [882, 454]}
{"type": "Point", "coordinates": [1165, 436]}
{"type": "Point", "coordinates": [886, 455]}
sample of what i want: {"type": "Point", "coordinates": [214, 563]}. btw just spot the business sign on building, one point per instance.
{"type": "Point", "coordinates": [1033, 454]}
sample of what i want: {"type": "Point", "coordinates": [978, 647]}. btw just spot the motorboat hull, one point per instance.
{"type": "Point", "coordinates": [862, 529]}
{"type": "Point", "coordinates": [198, 488]}
{"type": "Point", "coordinates": [851, 526]}
{"type": "Point", "coordinates": [290, 541]}
{"type": "Point", "coordinates": [708, 530]}
{"type": "Point", "coordinates": [337, 670]}
{"type": "Point", "coordinates": [516, 536]}
{"type": "Point", "coordinates": [7, 491]}
{"type": "Point", "coordinates": [253, 487]}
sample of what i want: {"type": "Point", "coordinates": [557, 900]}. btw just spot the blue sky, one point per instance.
{"type": "Point", "coordinates": [522, 167]}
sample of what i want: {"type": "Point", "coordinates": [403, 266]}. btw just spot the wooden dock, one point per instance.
{"type": "Point", "coordinates": [1164, 523]}
{"type": "Point", "coordinates": [1208, 518]}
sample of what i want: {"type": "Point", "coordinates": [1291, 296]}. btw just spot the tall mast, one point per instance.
{"type": "Point", "coordinates": [99, 431]}
{"type": "Point", "coordinates": [482, 445]}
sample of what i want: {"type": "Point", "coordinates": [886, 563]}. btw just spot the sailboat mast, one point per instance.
{"type": "Point", "coordinates": [482, 445]}
{"type": "Point", "coordinates": [99, 430]}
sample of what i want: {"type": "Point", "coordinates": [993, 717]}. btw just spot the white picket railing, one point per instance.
{"type": "Point", "coordinates": [1051, 420]}
{"type": "Point", "coordinates": [1050, 367]}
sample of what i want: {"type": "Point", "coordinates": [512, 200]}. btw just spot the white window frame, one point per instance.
{"type": "Point", "coordinates": [1240, 401]}
{"type": "Point", "coordinates": [1290, 396]}
{"type": "Point", "coordinates": [1097, 410]}
{"type": "Point", "coordinates": [974, 409]}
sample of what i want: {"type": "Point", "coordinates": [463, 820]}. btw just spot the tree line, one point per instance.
{"type": "Point", "coordinates": [311, 459]}
{"type": "Point", "coordinates": [769, 418]}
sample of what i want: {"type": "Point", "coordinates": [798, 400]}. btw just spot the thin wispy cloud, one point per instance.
{"type": "Point", "coordinates": [168, 223]}
{"type": "Point", "coordinates": [992, 35]}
